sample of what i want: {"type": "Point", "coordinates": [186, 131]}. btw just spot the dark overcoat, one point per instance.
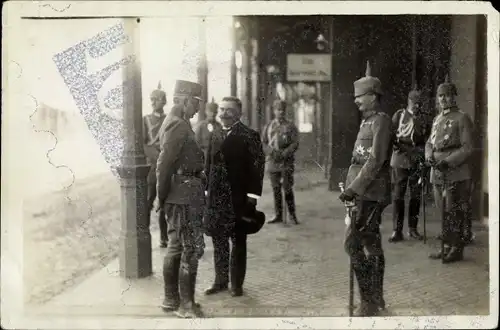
{"type": "Point", "coordinates": [234, 168]}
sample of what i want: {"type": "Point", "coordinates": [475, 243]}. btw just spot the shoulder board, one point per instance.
{"type": "Point", "coordinates": [383, 114]}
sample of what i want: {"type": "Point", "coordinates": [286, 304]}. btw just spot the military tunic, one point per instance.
{"type": "Point", "coordinates": [451, 141]}
{"type": "Point", "coordinates": [280, 140]}
{"type": "Point", "coordinates": [369, 173]}
{"type": "Point", "coordinates": [181, 191]}
{"type": "Point", "coordinates": [151, 127]}
{"type": "Point", "coordinates": [284, 137]}
{"type": "Point", "coordinates": [409, 139]}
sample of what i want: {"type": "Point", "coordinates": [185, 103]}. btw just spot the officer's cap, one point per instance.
{"type": "Point", "coordinates": [367, 84]}
{"type": "Point", "coordinates": [187, 88]}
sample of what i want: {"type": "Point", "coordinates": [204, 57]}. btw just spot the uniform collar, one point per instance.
{"type": "Point", "coordinates": [158, 113]}
{"type": "Point", "coordinates": [449, 110]}
{"type": "Point", "coordinates": [283, 121]}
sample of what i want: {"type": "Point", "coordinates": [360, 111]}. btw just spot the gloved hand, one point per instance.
{"type": "Point", "coordinates": [347, 196]}
{"type": "Point", "coordinates": [442, 165]}
{"type": "Point", "coordinates": [277, 154]}
{"type": "Point", "coordinates": [159, 205]}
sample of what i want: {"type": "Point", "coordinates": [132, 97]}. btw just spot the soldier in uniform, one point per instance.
{"type": "Point", "coordinates": [151, 126]}
{"type": "Point", "coordinates": [205, 128]}
{"type": "Point", "coordinates": [407, 159]}
{"type": "Point", "coordinates": [447, 151]}
{"type": "Point", "coordinates": [280, 140]}
{"type": "Point", "coordinates": [180, 189]}
{"type": "Point", "coordinates": [369, 185]}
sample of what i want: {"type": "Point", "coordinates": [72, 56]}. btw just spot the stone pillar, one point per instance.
{"type": "Point", "coordinates": [246, 83]}
{"type": "Point", "coordinates": [336, 174]}
{"type": "Point", "coordinates": [135, 238]}
{"type": "Point", "coordinates": [233, 78]}
{"type": "Point", "coordinates": [202, 66]}
{"type": "Point", "coordinates": [256, 88]}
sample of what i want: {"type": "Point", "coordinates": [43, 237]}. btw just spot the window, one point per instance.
{"type": "Point", "coordinates": [304, 104]}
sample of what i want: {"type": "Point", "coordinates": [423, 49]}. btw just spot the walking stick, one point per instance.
{"type": "Point", "coordinates": [350, 214]}
{"type": "Point", "coordinates": [424, 187]}
{"type": "Point", "coordinates": [284, 199]}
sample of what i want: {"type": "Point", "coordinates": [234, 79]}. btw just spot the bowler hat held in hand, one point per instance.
{"type": "Point", "coordinates": [252, 220]}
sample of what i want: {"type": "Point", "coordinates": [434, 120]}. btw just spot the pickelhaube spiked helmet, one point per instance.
{"type": "Point", "coordinates": [212, 106]}
{"type": "Point", "coordinates": [447, 87]}
{"type": "Point", "coordinates": [187, 88]}
{"type": "Point", "coordinates": [415, 94]}
{"type": "Point", "coordinates": [367, 84]}
{"type": "Point", "coordinates": [158, 92]}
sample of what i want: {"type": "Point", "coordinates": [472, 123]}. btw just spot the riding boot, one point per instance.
{"type": "Point", "coordinates": [363, 271]}
{"type": "Point", "coordinates": [290, 201]}
{"type": "Point", "coordinates": [171, 283]}
{"type": "Point", "coordinates": [378, 270]}
{"type": "Point", "coordinates": [468, 235]}
{"type": "Point", "coordinates": [414, 210]}
{"type": "Point", "coordinates": [398, 211]}
{"type": "Point", "coordinates": [188, 309]}
{"type": "Point", "coordinates": [278, 205]}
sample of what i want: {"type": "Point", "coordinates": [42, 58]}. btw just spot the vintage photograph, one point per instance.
{"type": "Point", "coordinates": [274, 165]}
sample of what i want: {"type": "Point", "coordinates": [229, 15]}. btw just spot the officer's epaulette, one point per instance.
{"type": "Point", "coordinates": [383, 114]}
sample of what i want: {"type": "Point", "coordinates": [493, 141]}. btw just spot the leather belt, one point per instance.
{"type": "Point", "coordinates": [446, 149]}
{"type": "Point", "coordinates": [196, 174]}
{"type": "Point", "coordinates": [356, 162]}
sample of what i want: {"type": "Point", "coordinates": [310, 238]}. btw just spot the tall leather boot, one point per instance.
{"type": "Point", "coordinates": [171, 267]}
{"type": "Point", "coordinates": [278, 205]}
{"type": "Point", "coordinates": [398, 210]}
{"type": "Point", "coordinates": [414, 210]}
{"type": "Point", "coordinates": [188, 309]}
{"type": "Point", "coordinates": [468, 235]}
{"type": "Point", "coordinates": [378, 264]}
{"type": "Point", "coordinates": [363, 271]}
{"type": "Point", "coordinates": [290, 201]}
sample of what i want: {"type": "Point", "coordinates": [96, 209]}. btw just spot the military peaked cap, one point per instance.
{"type": "Point", "coordinates": [367, 84]}
{"type": "Point", "coordinates": [187, 88]}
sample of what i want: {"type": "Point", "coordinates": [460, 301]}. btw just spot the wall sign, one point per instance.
{"type": "Point", "coordinates": [309, 67]}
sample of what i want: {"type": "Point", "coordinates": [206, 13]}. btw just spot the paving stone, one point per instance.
{"type": "Point", "coordinates": [303, 270]}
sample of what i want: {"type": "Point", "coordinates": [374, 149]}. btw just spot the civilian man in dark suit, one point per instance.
{"type": "Point", "coordinates": [235, 169]}
{"type": "Point", "coordinates": [180, 187]}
